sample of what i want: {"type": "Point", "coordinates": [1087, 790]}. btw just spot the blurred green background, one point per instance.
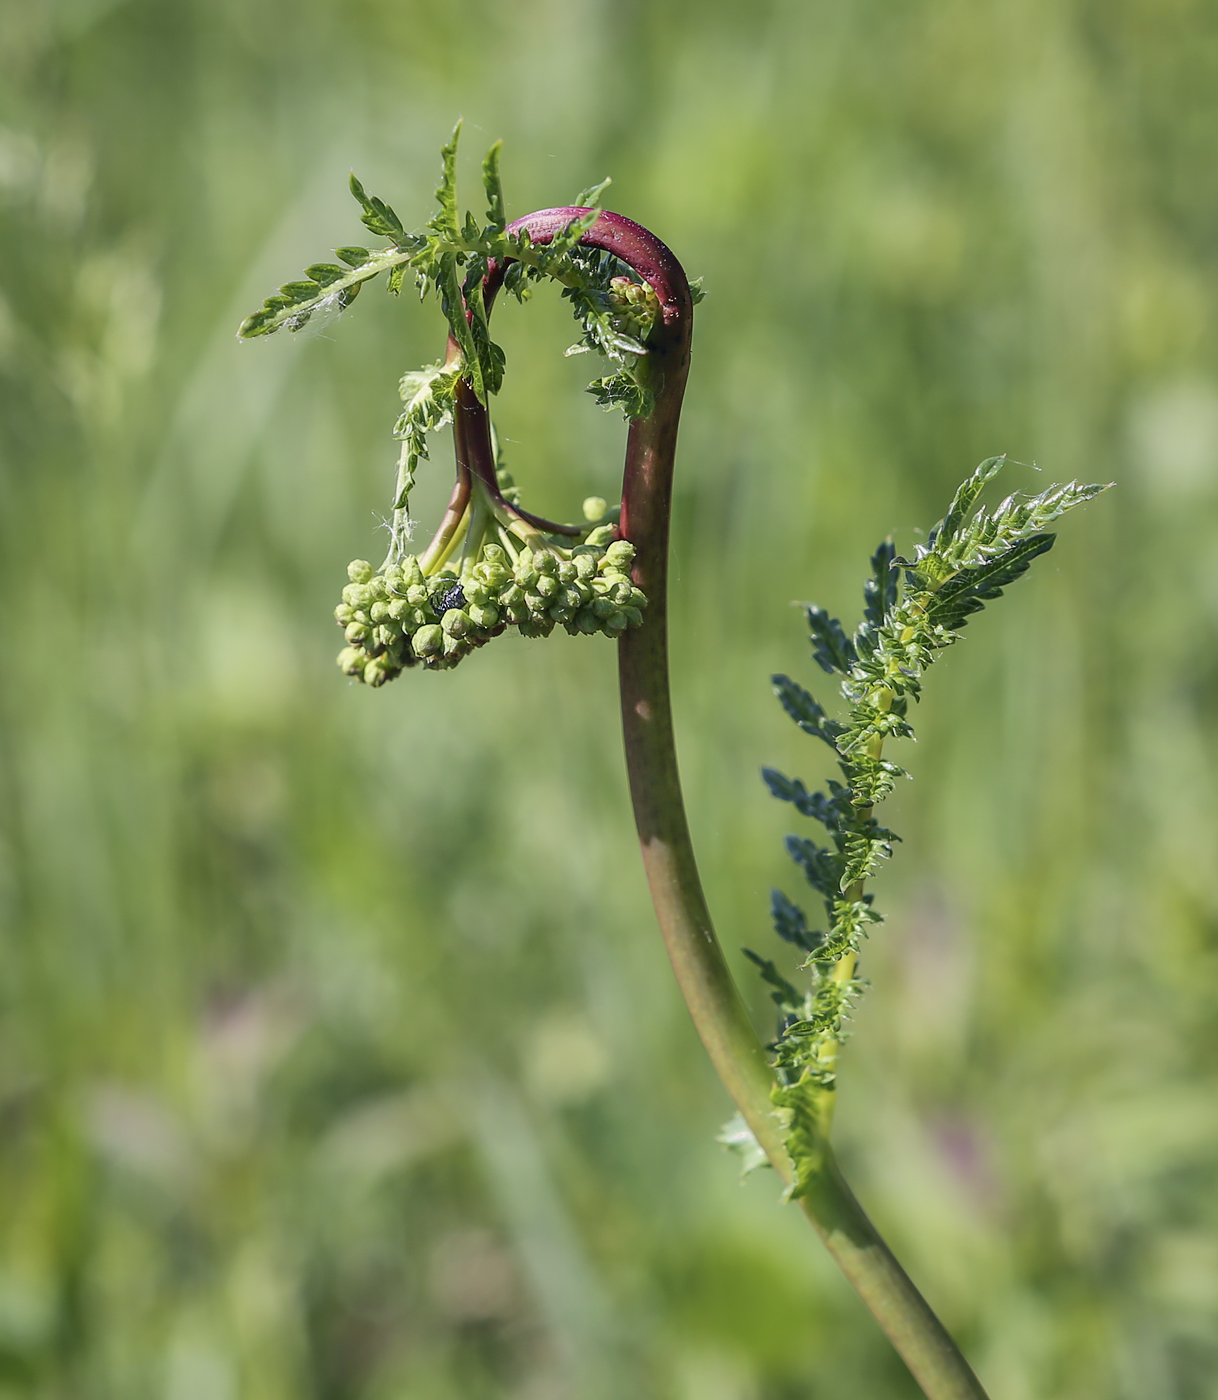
{"type": "Point", "coordinates": [339, 1059]}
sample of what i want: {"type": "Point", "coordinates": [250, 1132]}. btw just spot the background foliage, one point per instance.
{"type": "Point", "coordinates": [338, 1056]}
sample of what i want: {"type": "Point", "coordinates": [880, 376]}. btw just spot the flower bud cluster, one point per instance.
{"type": "Point", "coordinates": [636, 305]}
{"type": "Point", "coordinates": [399, 618]}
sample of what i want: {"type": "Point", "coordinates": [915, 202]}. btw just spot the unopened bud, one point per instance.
{"type": "Point", "coordinates": [547, 585]}
{"type": "Point", "coordinates": [352, 660]}
{"type": "Point", "coordinates": [485, 617]}
{"type": "Point", "coordinates": [356, 633]}
{"type": "Point", "coordinates": [595, 507]}
{"type": "Point", "coordinates": [378, 612]}
{"type": "Point", "coordinates": [455, 622]}
{"type": "Point", "coordinates": [618, 555]}
{"type": "Point", "coordinates": [360, 571]}
{"type": "Point", "coordinates": [344, 614]}
{"type": "Point", "coordinates": [566, 570]}
{"type": "Point", "coordinates": [427, 640]}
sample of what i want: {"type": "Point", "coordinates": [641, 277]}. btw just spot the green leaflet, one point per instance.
{"type": "Point", "coordinates": [495, 217]}
{"type": "Point", "coordinates": [445, 222]}
{"type": "Point", "coordinates": [970, 556]}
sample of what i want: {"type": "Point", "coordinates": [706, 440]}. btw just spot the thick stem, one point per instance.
{"type": "Point", "coordinates": [714, 1003]}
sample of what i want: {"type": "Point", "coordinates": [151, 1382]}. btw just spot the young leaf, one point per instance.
{"type": "Point", "coordinates": [495, 217]}
{"type": "Point", "coordinates": [831, 648]}
{"type": "Point", "coordinates": [446, 222]}
{"type": "Point", "coordinates": [378, 217]}
{"type": "Point", "coordinates": [970, 590]}
{"type": "Point", "coordinates": [783, 994]}
{"type": "Point", "coordinates": [790, 923]}
{"type": "Point", "coordinates": [880, 590]}
{"type": "Point", "coordinates": [591, 197]}
{"type": "Point", "coordinates": [804, 710]}
{"type": "Point", "coordinates": [963, 501]}
{"type": "Point", "coordinates": [822, 868]}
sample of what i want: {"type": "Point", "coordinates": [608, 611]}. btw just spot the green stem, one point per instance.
{"type": "Point", "coordinates": [718, 1011]}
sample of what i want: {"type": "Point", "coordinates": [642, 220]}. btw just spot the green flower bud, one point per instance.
{"type": "Point", "coordinates": [602, 535]}
{"type": "Point", "coordinates": [618, 555]}
{"type": "Point", "coordinates": [455, 622]}
{"type": "Point", "coordinates": [399, 610]}
{"type": "Point", "coordinates": [547, 585]}
{"type": "Point", "coordinates": [344, 614]}
{"type": "Point", "coordinates": [595, 507]}
{"type": "Point", "coordinates": [511, 595]}
{"type": "Point", "coordinates": [387, 635]}
{"type": "Point", "coordinates": [587, 621]}
{"type": "Point", "coordinates": [571, 598]}
{"type": "Point", "coordinates": [494, 554]}
{"type": "Point", "coordinates": [544, 562]}
{"type": "Point", "coordinates": [356, 633]}
{"type": "Point", "coordinates": [633, 616]}
{"type": "Point", "coordinates": [360, 571]}
{"type": "Point", "coordinates": [417, 596]}
{"type": "Point", "coordinates": [616, 622]}
{"type": "Point", "coordinates": [455, 646]}
{"type": "Point", "coordinates": [378, 671]}
{"type": "Point", "coordinates": [566, 570]}
{"type": "Point", "coordinates": [476, 592]}
{"type": "Point", "coordinates": [485, 617]}
{"type": "Point", "coordinates": [353, 594]}
{"type": "Point", "coordinates": [427, 640]}
{"type": "Point", "coordinates": [638, 599]}
{"type": "Point", "coordinates": [352, 660]}
{"type": "Point", "coordinates": [535, 603]}
{"type": "Point", "coordinates": [412, 574]}
{"type": "Point", "coordinates": [378, 612]}
{"type": "Point", "coordinates": [585, 565]}
{"type": "Point", "coordinates": [603, 607]}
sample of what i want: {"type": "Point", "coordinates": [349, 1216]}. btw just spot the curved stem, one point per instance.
{"type": "Point", "coordinates": [714, 1003]}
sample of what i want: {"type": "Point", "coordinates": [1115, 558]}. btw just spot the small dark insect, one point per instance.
{"type": "Point", "coordinates": [451, 598]}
